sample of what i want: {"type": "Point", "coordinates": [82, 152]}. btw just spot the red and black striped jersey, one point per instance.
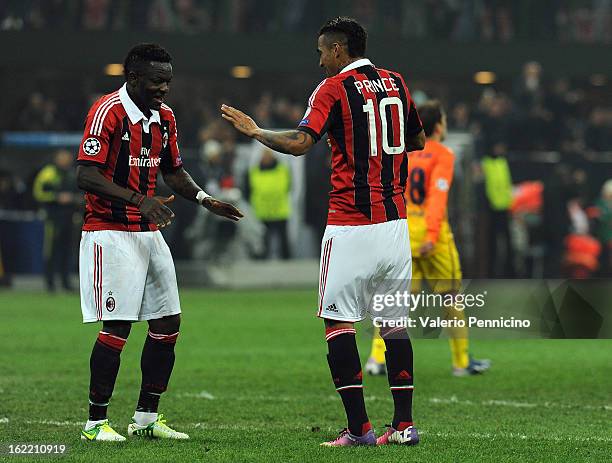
{"type": "Point", "coordinates": [368, 114]}
{"type": "Point", "coordinates": [129, 149]}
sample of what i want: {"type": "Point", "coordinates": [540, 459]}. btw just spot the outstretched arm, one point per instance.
{"type": "Point", "coordinates": [181, 182]}
{"type": "Point", "coordinates": [294, 142]}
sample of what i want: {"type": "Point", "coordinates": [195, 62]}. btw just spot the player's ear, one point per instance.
{"type": "Point", "coordinates": [337, 50]}
{"type": "Point", "coordinates": [132, 78]}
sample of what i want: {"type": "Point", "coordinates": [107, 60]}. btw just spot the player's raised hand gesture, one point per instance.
{"type": "Point", "coordinates": [241, 121]}
{"type": "Point", "coordinates": [222, 209]}
{"type": "Point", "coordinates": [155, 209]}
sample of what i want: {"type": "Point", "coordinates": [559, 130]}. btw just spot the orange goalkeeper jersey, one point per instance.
{"type": "Point", "coordinates": [430, 174]}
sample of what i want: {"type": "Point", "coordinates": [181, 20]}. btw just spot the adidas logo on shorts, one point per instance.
{"type": "Point", "coordinates": [332, 308]}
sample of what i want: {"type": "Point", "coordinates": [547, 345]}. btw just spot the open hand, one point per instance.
{"type": "Point", "coordinates": [222, 209]}
{"type": "Point", "coordinates": [242, 122]}
{"type": "Point", "coordinates": [155, 210]}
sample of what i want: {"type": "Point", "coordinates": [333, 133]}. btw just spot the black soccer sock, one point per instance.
{"type": "Point", "coordinates": [400, 375]}
{"type": "Point", "coordinates": [156, 364]}
{"type": "Point", "coordinates": [345, 368]}
{"type": "Point", "coordinates": [104, 366]}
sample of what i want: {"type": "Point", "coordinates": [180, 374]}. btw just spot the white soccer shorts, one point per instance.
{"type": "Point", "coordinates": [126, 276]}
{"type": "Point", "coordinates": [360, 262]}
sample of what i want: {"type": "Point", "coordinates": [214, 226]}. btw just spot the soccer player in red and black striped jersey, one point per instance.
{"type": "Point", "coordinates": [125, 266]}
{"type": "Point", "coordinates": [371, 123]}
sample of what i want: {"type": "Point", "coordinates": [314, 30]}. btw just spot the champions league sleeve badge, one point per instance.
{"type": "Point", "coordinates": [92, 146]}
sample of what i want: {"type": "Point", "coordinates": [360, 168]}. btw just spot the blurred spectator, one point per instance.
{"type": "Point", "coordinates": [496, 20]}
{"type": "Point", "coordinates": [460, 117]}
{"type": "Point", "coordinates": [269, 192]}
{"type": "Point", "coordinates": [603, 230]}
{"type": "Point", "coordinates": [533, 128]}
{"type": "Point", "coordinates": [11, 191]}
{"type": "Point", "coordinates": [96, 14]}
{"type": "Point", "coordinates": [185, 16]}
{"type": "Point", "coordinates": [262, 112]}
{"type": "Point", "coordinates": [555, 219]}
{"type": "Point", "coordinates": [161, 16]}
{"type": "Point", "coordinates": [529, 89]}
{"type": "Point", "coordinates": [562, 102]}
{"type": "Point", "coordinates": [526, 228]}
{"type": "Point", "coordinates": [55, 190]}
{"type": "Point", "coordinates": [413, 16]}
{"type": "Point", "coordinates": [598, 133]}
{"type": "Point", "coordinates": [217, 166]}
{"type": "Point", "coordinates": [498, 188]}
{"type": "Point", "coordinates": [602, 19]}
{"type": "Point", "coordinates": [494, 120]}
{"type": "Point", "coordinates": [38, 114]}
{"type": "Point", "coordinates": [581, 256]}
{"type": "Point", "coordinates": [5, 279]}
{"type": "Point", "coordinates": [215, 173]}
{"type": "Point", "coordinates": [10, 199]}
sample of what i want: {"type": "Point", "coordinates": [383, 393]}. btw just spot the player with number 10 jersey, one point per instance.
{"type": "Point", "coordinates": [367, 113]}
{"type": "Point", "coordinates": [372, 124]}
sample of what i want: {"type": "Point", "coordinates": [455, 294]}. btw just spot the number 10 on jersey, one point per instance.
{"type": "Point", "coordinates": [370, 109]}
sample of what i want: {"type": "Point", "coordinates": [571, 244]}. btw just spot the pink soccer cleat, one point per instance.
{"type": "Point", "coordinates": [408, 436]}
{"type": "Point", "coordinates": [346, 439]}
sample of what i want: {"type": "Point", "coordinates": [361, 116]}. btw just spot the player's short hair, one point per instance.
{"type": "Point", "coordinates": [144, 53]}
{"type": "Point", "coordinates": [356, 36]}
{"type": "Point", "coordinates": [431, 113]}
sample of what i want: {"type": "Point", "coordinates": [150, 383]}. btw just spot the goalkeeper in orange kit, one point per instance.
{"type": "Point", "coordinates": [434, 254]}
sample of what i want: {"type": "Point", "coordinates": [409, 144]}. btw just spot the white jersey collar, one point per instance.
{"type": "Point", "coordinates": [134, 113]}
{"type": "Point", "coordinates": [356, 64]}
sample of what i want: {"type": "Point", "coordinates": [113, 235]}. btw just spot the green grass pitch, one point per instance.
{"type": "Point", "coordinates": [251, 384]}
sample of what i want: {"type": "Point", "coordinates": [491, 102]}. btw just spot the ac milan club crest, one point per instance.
{"type": "Point", "coordinates": [110, 303]}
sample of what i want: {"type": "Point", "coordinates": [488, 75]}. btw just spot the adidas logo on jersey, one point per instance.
{"type": "Point", "coordinates": [126, 137]}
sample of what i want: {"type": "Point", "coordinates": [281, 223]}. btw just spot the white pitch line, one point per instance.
{"type": "Point", "coordinates": [452, 400]}
{"type": "Point", "coordinates": [56, 423]}
{"type": "Point", "coordinates": [197, 395]}
{"type": "Point", "coordinates": [511, 435]}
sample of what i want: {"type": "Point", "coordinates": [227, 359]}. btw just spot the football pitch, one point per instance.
{"type": "Point", "coordinates": [251, 383]}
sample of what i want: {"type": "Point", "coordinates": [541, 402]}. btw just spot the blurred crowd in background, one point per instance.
{"type": "Point", "coordinates": [552, 218]}
{"type": "Point", "coordinates": [535, 187]}
{"type": "Point", "coordinates": [585, 21]}
{"type": "Point", "coordinates": [534, 112]}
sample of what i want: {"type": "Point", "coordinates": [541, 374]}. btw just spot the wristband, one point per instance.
{"type": "Point", "coordinates": [201, 196]}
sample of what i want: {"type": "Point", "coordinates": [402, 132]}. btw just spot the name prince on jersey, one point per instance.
{"type": "Point", "coordinates": [379, 85]}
